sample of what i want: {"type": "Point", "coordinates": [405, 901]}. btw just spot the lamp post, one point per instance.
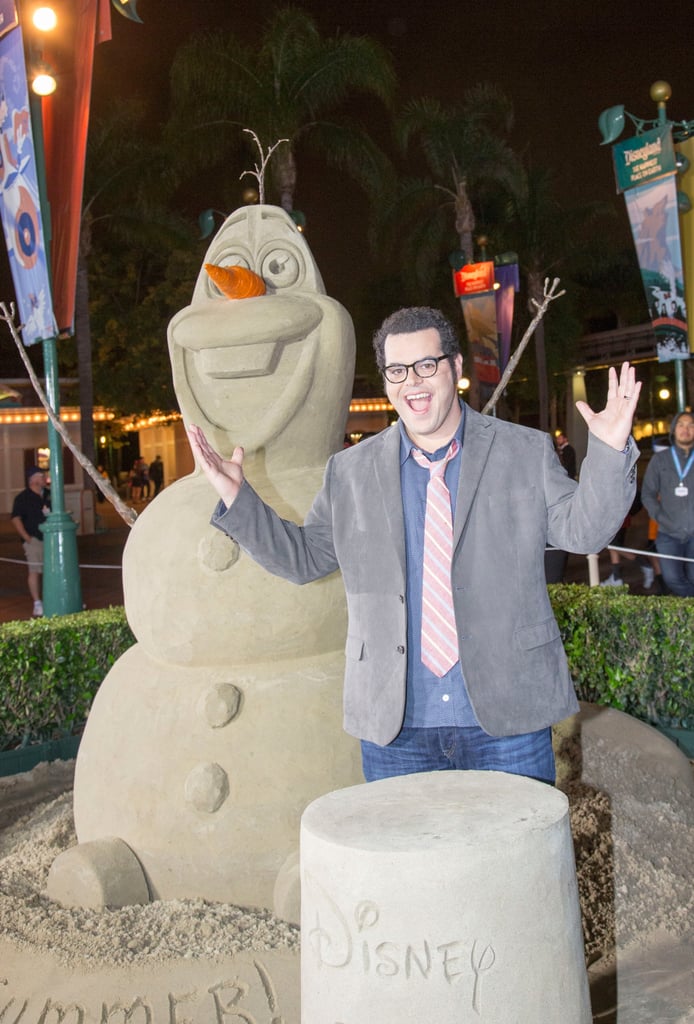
{"type": "Point", "coordinates": [656, 155]}
{"type": "Point", "coordinates": [62, 589]}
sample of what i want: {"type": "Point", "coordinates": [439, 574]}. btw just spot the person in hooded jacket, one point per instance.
{"type": "Point", "coordinates": [668, 494]}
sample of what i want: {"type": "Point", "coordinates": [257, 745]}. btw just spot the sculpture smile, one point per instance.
{"type": "Point", "coordinates": [226, 343]}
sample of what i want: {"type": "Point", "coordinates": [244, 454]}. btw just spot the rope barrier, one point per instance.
{"type": "Point", "coordinates": [23, 561]}
{"type": "Point", "coordinates": [649, 554]}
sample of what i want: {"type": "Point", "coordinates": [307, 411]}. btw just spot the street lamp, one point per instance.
{"type": "Point", "coordinates": [647, 168]}
{"type": "Point", "coordinates": [62, 589]}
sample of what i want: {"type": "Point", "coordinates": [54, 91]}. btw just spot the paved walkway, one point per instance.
{"type": "Point", "coordinates": [100, 558]}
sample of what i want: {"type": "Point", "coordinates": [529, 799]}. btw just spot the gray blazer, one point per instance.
{"type": "Point", "coordinates": [513, 499]}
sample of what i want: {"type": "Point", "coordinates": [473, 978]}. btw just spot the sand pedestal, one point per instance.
{"type": "Point", "coordinates": [447, 897]}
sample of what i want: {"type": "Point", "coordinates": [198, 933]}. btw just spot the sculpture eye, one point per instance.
{"type": "Point", "coordinates": [281, 268]}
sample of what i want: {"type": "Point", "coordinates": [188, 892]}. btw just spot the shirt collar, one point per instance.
{"type": "Point", "coordinates": [406, 442]}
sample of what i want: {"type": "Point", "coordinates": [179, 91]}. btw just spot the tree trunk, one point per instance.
{"type": "Point", "coordinates": [465, 226]}
{"type": "Point", "coordinates": [464, 220]}
{"type": "Point", "coordinates": [286, 177]}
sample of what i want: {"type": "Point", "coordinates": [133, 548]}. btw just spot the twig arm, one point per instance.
{"type": "Point", "coordinates": [549, 295]}
{"type": "Point", "coordinates": [126, 513]}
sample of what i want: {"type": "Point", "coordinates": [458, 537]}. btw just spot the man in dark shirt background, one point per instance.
{"type": "Point", "coordinates": [29, 511]}
{"type": "Point", "coordinates": [567, 455]}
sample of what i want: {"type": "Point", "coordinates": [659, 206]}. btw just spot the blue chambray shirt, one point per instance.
{"type": "Point", "coordinates": [431, 702]}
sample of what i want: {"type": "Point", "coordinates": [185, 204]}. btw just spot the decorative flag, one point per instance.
{"type": "Point", "coordinates": [474, 285]}
{"type": "Point", "coordinates": [8, 16]}
{"type": "Point", "coordinates": [19, 194]}
{"type": "Point", "coordinates": [508, 280]}
{"type": "Point", "coordinates": [686, 219]}
{"type": "Point", "coordinates": [654, 225]}
{"type": "Point", "coordinates": [645, 169]}
{"type": "Point", "coordinates": [65, 123]}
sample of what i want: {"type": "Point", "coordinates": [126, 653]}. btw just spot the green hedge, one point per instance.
{"type": "Point", "coordinates": [632, 653]}
{"type": "Point", "coordinates": [50, 670]}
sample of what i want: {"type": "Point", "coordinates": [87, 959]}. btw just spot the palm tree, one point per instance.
{"type": "Point", "coordinates": [292, 86]}
{"type": "Point", "coordinates": [551, 240]}
{"type": "Point", "coordinates": [465, 156]}
{"type": "Point", "coordinates": [124, 213]}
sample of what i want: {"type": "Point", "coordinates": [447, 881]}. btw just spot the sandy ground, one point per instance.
{"type": "Point", "coordinates": [632, 815]}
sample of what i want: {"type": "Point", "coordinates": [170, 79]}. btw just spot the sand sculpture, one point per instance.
{"type": "Point", "coordinates": [209, 737]}
{"type": "Point", "coordinates": [444, 896]}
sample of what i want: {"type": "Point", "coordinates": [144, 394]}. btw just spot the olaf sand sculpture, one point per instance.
{"type": "Point", "coordinates": [210, 736]}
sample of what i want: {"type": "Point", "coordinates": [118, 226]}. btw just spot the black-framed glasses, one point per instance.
{"type": "Point", "coordinates": [396, 373]}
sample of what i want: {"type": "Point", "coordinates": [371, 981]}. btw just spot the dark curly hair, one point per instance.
{"type": "Point", "coordinates": [416, 318]}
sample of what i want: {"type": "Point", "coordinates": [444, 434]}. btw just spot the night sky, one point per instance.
{"type": "Point", "coordinates": [561, 62]}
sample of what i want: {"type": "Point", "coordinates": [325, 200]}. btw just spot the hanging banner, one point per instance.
{"type": "Point", "coordinates": [19, 196]}
{"type": "Point", "coordinates": [644, 158]}
{"type": "Point", "coordinates": [474, 284]}
{"type": "Point", "coordinates": [65, 123]}
{"type": "Point", "coordinates": [686, 182]}
{"type": "Point", "coordinates": [8, 16]}
{"type": "Point", "coordinates": [654, 223]}
{"type": "Point", "coordinates": [479, 313]}
{"type": "Point", "coordinates": [473, 278]}
{"type": "Point", "coordinates": [508, 280]}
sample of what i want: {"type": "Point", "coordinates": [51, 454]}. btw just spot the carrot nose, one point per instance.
{"type": "Point", "coordinates": [236, 282]}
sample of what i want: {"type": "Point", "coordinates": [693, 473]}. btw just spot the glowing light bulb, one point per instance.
{"type": "Point", "coordinates": [44, 84]}
{"type": "Point", "coordinates": [44, 19]}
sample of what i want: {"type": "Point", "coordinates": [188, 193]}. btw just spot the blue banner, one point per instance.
{"type": "Point", "coordinates": [19, 197]}
{"type": "Point", "coordinates": [8, 16]}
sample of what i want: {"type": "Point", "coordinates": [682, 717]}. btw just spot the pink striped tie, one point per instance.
{"type": "Point", "coordinates": [439, 634]}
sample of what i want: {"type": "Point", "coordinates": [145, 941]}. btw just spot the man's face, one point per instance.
{"type": "Point", "coordinates": [684, 431]}
{"type": "Point", "coordinates": [36, 482]}
{"type": "Point", "coordinates": [428, 406]}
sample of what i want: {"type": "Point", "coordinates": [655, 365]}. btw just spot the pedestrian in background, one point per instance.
{"type": "Point", "coordinates": [29, 511]}
{"type": "Point", "coordinates": [668, 494]}
{"type": "Point", "coordinates": [567, 455]}
{"type": "Point", "coordinates": [156, 474]}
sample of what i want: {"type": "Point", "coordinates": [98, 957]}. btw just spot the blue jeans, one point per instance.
{"type": "Point", "coordinates": [443, 749]}
{"type": "Point", "coordinates": [679, 576]}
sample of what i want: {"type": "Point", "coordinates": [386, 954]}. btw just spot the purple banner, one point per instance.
{"type": "Point", "coordinates": [654, 223]}
{"type": "Point", "coordinates": [19, 197]}
{"type": "Point", "coordinates": [8, 16]}
{"type": "Point", "coordinates": [507, 278]}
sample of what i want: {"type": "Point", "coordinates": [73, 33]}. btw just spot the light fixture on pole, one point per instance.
{"type": "Point", "coordinates": [43, 82]}
{"type": "Point", "coordinates": [62, 588]}
{"type": "Point", "coordinates": [44, 19]}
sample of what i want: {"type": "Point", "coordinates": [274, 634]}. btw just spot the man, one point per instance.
{"type": "Point", "coordinates": [29, 511]}
{"type": "Point", "coordinates": [567, 455]}
{"type": "Point", "coordinates": [493, 707]}
{"type": "Point", "coordinates": [156, 474]}
{"type": "Point", "coordinates": [668, 494]}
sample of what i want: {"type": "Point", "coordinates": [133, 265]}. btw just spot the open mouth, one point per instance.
{"type": "Point", "coordinates": [419, 401]}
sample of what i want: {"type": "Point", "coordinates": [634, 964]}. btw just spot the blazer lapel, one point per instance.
{"type": "Point", "coordinates": [386, 466]}
{"type": "Point", "coordinates": [478, 437]}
